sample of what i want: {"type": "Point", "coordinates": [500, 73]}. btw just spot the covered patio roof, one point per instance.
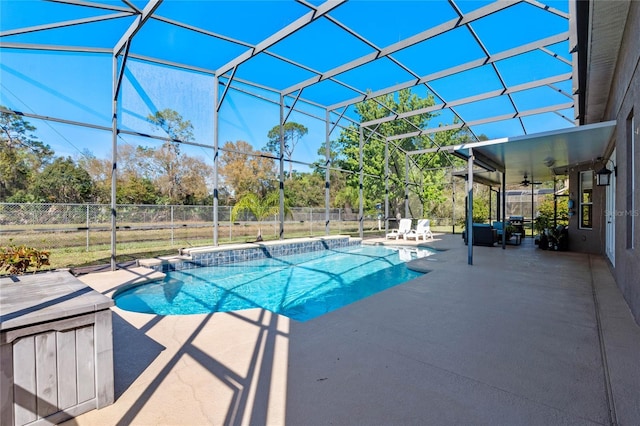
{"type": "Point", "coordinates": [540, 156]}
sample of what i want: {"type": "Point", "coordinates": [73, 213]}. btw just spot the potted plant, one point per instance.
{"type": "Point", "coordinates": [541, 225]}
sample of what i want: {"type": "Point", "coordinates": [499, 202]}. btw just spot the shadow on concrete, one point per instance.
{"type": "Point", "coordinates": [260, 369]}
{"type": "Point", "coordinates": [130, 359]}
{"type": "Point", "coordinates": [513, 339]}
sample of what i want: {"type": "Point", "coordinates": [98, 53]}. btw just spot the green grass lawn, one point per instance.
{"type": "Point", "coordinates": [77, 249]}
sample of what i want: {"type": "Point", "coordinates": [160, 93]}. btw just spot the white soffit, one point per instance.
{"type": "Point", "coordinates": [607, 20]}
{"type": "Point", "coordinates": [537, 155]}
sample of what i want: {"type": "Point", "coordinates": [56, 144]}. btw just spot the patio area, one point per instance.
{"type": "Point", "coordinates": [524, 336]}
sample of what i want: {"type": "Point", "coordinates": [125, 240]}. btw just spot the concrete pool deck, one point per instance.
{"type": "Point", "coordinates": [523, 336]}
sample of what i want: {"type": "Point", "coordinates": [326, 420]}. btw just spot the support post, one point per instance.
{"type": "Point", "coordinates": [281, 215]}
{"type": "Point", "coordinates": [87, 227]}
{"type": "Point", "coordinates": [327, 174]}
{"type": "Point", "coordinates": [498, 204]}
{"type": "Point", "coordinates": [490, 203]}
{"type": "Point", "coordinates": [406, 185]}
{"type": "Point", "coordinates": [386, 186]}
{"type": "Point", "coordinates": [503, 199]}
{"type": "Point", "coordinates": [361, 184]}
{"type": "Point", "coordinates": [470, 209]}
{"type": "Point", "coordinates": [453, 203]}
{"type": "Point", "coordinates": [114, 159]}
{"type": "Point", "coordinates": [533, 186]}
{"type": "Point", "coordinates": [555, 204]}
{"type": "Point", "coordinates": [216, 108]}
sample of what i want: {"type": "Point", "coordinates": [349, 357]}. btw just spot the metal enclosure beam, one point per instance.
{"type": "Point", "coordinates": [136, 25]}
{"type": "Point", "coordinates": [470, 209]}
{"type": "Point", "coordinates": [281, 163]}
{"type": "Point", "coordinates": [406, 185]}
{"type": "Point", "coordinates": [299, 23]}
{"type": "Point", "coordinates": [410, 41]}
{"type": "Point", "coordinates": [64, 24]}
{"type": "Point", "coordinates": [327, 173]}
{"type": "Point", "coordinates": [114, 159]}
{"type": "Point", "coordinates": [386, 186]}
{"type": "Point", "coordinates": [503, 200]}
{"type": "Point", "coordinates": [458, 69]}
{"type": "Point", "coordinates": [361, 184]}
{"type": "Point", "coordinates": [494, 119]}
{"type": "Point", "coordinates": [216, 159]}
{"type": "Point", "coordinates": [475, 98]}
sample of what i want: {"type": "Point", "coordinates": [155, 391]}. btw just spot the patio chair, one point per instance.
{"type": "Point", "coordinates": [403, 228]}
{"type": "Point", "coordinates": [423, 229]}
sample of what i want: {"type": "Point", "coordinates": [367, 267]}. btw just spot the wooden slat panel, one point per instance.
{"type": "Point", "coordinates": [46, 376]}
{"type": "Point", "coordinates": [59, 325]}
{"type": "Point", "coordinates": [67, 379]}
{"type": "Point", "coordinates": [85, 355]}
{"type": "Point", "coordinates": [104, 358]}
{"type": "Point", "coordinates": [6, 384]}
{"type": "Point", "coordinates": [24, 380]}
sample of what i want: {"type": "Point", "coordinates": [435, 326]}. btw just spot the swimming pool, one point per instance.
{"type": "Point", "coordinates": [301, 286]}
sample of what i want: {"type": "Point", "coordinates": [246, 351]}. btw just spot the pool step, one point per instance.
{"type": "Point", "coordinates": [163, 260]}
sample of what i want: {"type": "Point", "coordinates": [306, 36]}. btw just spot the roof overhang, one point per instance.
{"type": "Point", "coordinates": [540, 156]}
{"type": "Point", "coordinates": [491, 179]}
{"type": "Point", "coordinates": [600, 28]}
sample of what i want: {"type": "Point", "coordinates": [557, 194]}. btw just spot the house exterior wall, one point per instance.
{"type": "Point", "coordinates": [624, 101]}
{"type": "Point", "coordinates": [586, 240]}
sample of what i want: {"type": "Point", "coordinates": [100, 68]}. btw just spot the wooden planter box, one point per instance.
{"type": "Point", "coordinates": [56, 349]}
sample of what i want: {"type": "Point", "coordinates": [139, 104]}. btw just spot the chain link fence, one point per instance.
{"type": "Point", "coordinates": [88, 226]}
{"type": "Point", "coordinates": [55, 226]}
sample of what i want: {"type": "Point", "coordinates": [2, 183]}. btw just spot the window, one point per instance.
{"type": "Point", "coordinates": [586, 200]}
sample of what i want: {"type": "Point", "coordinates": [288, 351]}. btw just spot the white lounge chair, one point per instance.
{"type": "Point", "coordinates": [423, 229]}
{"type": "Point", "coordinates": [403, 228]}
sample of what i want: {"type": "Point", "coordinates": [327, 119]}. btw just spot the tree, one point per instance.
{"type": "Point", "coordinates": [195, 174]}
{"type": "Point", "coordinates": [22, 155]}
{"type": "Point", "coordinates": [179, 179]}
{"type": "Point", "coordinates": [166, 158]}
{"type": "Point", "coordinates": [136, 190]}
{"type": "Point", "coordinates": [347, 198]}
{"type": "Point", "coordinates": [63, 181]}
{"type": "Point", "coordinates": [293, 132]}
{"type": "Point", "coordinates": [245, 170]}
{"type": "Point", "coordinates": [374, 148]}
{"type": "Point", "coordinates": [427, 179]}
{"type": "Point", "coordinates": [178, 129]}
{"type": "Point", "coordinates": [100, 171]}
{"type": "Point", "coordinates": [305, 190]}
{"type": "Point", "coordinates": [480, 206]}
{"type": "Point", "coordinates": [260, 207]}
{"type": "Point", "coordinates": [558, 209]}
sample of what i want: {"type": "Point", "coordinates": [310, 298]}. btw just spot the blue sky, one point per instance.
{"type": "Point", "coordinates": [77, 86]}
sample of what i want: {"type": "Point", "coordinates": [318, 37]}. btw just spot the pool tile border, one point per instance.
{"type": "Point", "coordinates": [199, 257]}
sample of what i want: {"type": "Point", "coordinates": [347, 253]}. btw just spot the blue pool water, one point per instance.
{"type": "Point", "coordinates": [301, 286]}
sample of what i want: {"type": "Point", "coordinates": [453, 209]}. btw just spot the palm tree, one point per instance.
{"type": "Point", "coordinates": [260, 207]}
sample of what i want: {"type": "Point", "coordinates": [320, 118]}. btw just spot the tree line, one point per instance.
{"type": "Point", "coordinates": [30, 171]}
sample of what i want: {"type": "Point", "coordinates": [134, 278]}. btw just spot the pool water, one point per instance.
{"type": "Point", "coordinates": [301, 287]}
